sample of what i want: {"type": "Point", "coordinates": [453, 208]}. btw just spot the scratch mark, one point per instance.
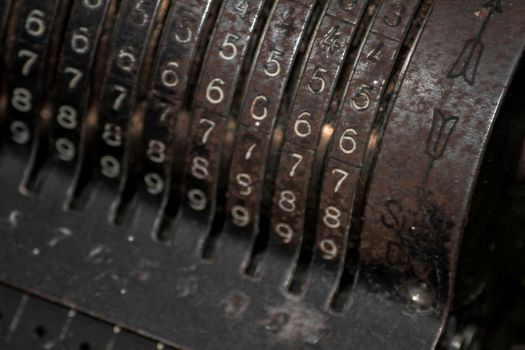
{"type": "Point", "coordinates": [14, 218]}
{"type": "Point", "coordinates": [16, 318]}
{"type": "Point", "coordinates": [63, 234]}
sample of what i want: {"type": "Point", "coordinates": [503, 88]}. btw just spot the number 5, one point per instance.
{"type": "Point", "coordinates": [229, 45]}
{"type": "Point", "coordinates": [272, 67]}
{"type": "Point", "coordinates": [361, 99]}
{"type": "Point", "coordinates": [317, 84]}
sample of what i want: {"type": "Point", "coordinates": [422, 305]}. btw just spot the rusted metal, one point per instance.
{"type": "Point", "coordinates": [329, 155]}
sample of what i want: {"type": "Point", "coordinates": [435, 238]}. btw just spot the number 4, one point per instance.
{"type": "Point", "coordinates": [242, 7]}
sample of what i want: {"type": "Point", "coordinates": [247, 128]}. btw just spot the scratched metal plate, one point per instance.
{"type": "Point", "coordinates": [440, 121]}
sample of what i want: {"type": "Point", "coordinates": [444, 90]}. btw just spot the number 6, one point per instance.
{"type": "Point", "coordinates": [302, 127]}
{"type": "Point", "coordinates": [35, 25]}
{"type": "Point", "coordinates": [348, 137]}
{"type": "Point", "coordinates": [214, 88]}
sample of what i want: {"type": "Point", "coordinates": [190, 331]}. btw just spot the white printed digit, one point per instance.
{"type": "Point", "coordinates": [287, 201]}
{"type": "Point", "coordinates": [22, 100]}
{"type": "Point", "coordinates": [31, 59]}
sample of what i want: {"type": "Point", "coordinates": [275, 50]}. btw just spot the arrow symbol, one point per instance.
{"type": "Point", "coordinates": [467, 63]}
{"type": "Point", "coordinates": [440, 132]}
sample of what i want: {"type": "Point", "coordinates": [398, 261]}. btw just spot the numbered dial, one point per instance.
{"type": "Point", "coordinates": [259, 112]}
{"type": "Point", "coordinates": [213, 101]}
{"type": "Point", "coordinates": [5, 9]}
{"type": "Point", "coordinates": [26, 87]}
{"type": "Point", "coordinates": [137, 19]}
{"type": "Point", "coordinates": [328, 52]}
{"type": "Point", "coordinates": [175, 64]}
{"type": "Point", "coordinates": [73, 85]}
{"type": "Point", "coordinates": [361, 104]}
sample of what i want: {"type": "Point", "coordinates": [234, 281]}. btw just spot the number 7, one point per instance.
{"type": "Point", "coordinates": [296, 165]}
{"type": "Point", "coordinates": [31, 59]}
{"type": "Point", "coordinates": [77, 75]}
{"type": "Point", "coordinates": [343, 174]}
{"type": "Point", "coordinates": [120, 98]}
{"type": "Point", "coordinates": [208, 131]}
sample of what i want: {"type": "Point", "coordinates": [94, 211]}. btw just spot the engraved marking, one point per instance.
{"type": "Point", "coordinates": [467, 63]}
{"type": "Point", "coordinates": [331, 40]}
{"type": "Point", "coordinates": [284, 18]}
{"type": "Point", "coordinates": [438, 138]}
{"type": "Point", "coordinates": [287, 27]}
{"type": "Point", "coordinates": [440, 132]}
{"type": "Point", "coordinates": [392, 218]}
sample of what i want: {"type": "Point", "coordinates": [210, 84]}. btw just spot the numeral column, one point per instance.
{"type": "Point", "coordinates": [74, 83]}
{"type": "Point", "coordinates": [259, 112]}
{"type": "Point", "coordinates": [361, 104]}
{"type": "Point", "coordinates": [118, 98]}
{"type": "Point", "coordinates": [185, 28]}
{"type": "Point", "coordinates": [334, 33]}
{"type": "Point", "coordinates": [213, 102]}
{"type": "Point", "coordinates": [26, 80]}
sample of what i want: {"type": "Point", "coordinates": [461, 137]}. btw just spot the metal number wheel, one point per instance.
{"type": "Point", "coordinates": [261, 174]}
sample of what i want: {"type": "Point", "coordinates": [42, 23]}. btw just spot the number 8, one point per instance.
{"type": "Point", "coordinates": [287, 201]}
{"type": "Point", "coordinates": [21, 100]}
{"type": "Point", "coordinates": [332, 217]}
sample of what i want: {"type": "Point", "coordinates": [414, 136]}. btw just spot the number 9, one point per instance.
{"type": "Point", "coordinates": [329, 249]}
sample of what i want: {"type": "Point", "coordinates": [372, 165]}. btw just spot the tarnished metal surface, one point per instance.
{"type": "Point", "coordinates": [282, 174]}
